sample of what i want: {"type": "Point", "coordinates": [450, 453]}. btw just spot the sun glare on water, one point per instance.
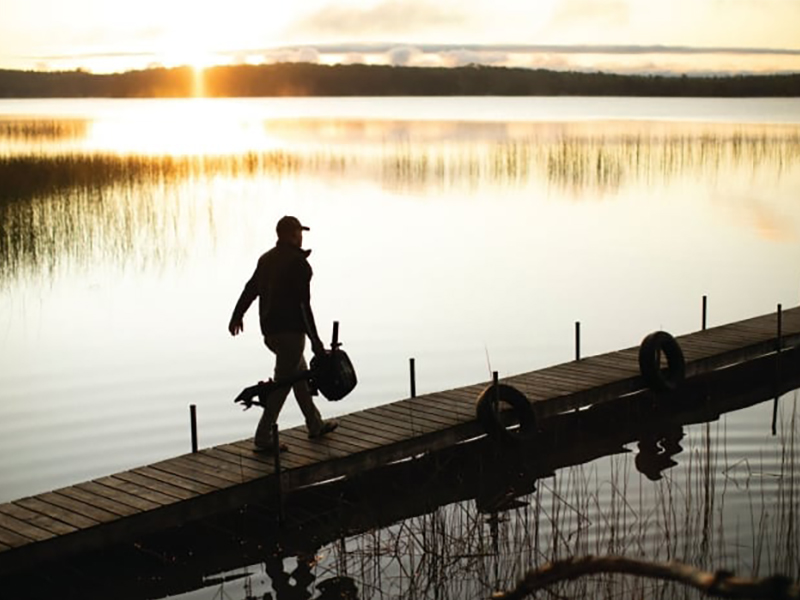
{"type": "Point", "coordinates": [182, 127]}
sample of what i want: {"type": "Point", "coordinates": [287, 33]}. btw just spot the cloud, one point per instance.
{"type": "Point", "coordinates": [462, 57]}
{"type": "Point", "coordinates": [390, 17]}
{"type": "Point", "coordinates": [402, 55]}
{"type": "Point", "coordinates": [352, 58]}
{"type": "Point", "coordinates": [304, 54]}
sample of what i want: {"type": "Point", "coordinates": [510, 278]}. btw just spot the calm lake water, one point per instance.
{"type": "Point", "coordinates": [468, 233]}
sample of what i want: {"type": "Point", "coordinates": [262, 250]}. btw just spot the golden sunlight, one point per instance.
{"type": "Point", "coordinates": [183, 127]}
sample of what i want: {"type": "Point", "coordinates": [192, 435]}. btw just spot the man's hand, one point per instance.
{"type": "Point", "coordinates": [317, 348]}
{"type": "Point", "coordinates": [236, 326]}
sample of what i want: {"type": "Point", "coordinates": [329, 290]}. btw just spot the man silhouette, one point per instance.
{"type": "Point", "coordinates": [281, 282]}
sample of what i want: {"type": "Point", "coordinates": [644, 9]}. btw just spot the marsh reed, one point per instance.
{"type": "Point", "coordinates": [70, 207]}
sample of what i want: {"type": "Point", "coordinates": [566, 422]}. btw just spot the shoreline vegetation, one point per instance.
{"type": "Point", "coordinates": [306, 79]}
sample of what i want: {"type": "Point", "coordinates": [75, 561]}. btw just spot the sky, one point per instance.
{"type": "Point", "coordinates": [623, 36]}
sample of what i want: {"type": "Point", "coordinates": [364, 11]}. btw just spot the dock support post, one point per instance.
{"type": "Point", "coordinates": [335, 336]}
{"type": "Point", "coordinates": [413, 377]}
{"type": "Point", "coordinates": [778, 348]}
{"type": "Point", "coordinates": [193, 425]}
{"type": "Point", "coordinates": [705, 311]}
{"type": "Point", "coordinates": [577, 340]}
{"type": "Point", "coordinates": [276, 451]}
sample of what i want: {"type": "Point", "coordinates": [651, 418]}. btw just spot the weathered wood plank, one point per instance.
{"type": "Point", "coordinates": [11, 539]}
{"type": "Point", "coordinates": [355, 427]}
{"type": "Point", "coordinates": [415, 423]}
{"type": "Point", "coordinates": [440, 421]}
{"type": "Point", "coordinates": [177, 481]}
{"type": "Point", "coordinates": [369, 419]}
{"type": "Point", "coordinates": [192, 471]}
{"type": "Point", "coordinates": [316, 454]}
{"type": "Point", "coordinates": [223, 469]}
{"type": "Point", "coordinates": [56, 512]}
{"type": "Point", "coordinates": [24, 528]}
{"type": "Point", "coordinates": [437, 409]}
{"type": "Point", "coordinates": [37, 519]}
{"type": "Point", "coordinates": [357, 443]}
{"type": "Point", "coordinates": [443, 401]}
{"type": "Point", "coordinates": [261, 468]}
{"type": "Point", "coordinates": [124, 492]}
{"type": "Point", "coordinates": [151, 488]}
{"type": "Point", "coordinates": [78, 507]}
{"type": "Point", "coordinates": [328, 444]}
{"type": "Point", "coordinates": [118, 509]}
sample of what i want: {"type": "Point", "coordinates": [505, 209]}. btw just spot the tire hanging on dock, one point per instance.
{"type": "Point", "coordinates": [650, 350]}
{"type": "Point", "coordinates": [487, 412]}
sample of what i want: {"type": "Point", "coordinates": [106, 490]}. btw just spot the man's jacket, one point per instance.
{"type": "Point", "coordinates": [281, 282]}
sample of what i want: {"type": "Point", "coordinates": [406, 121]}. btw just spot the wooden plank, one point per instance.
{"type": "Point", "coordinates": [450, 403]}
{"type": "Point", "coordinates": [467, 401]}
{"type": "Point", "coordinates": [316, 454]}
{"type": "Point", "coordinates": [56, 512]}
{"type": "Point", "coordinates": [37, 519]}
{"type": "Point", "coordinates": [24, 528]}
{"type": "Point", "coordinates": [12, 539]}
{"type": "Point", "coordinates": [240, 473]}
{"type": "Point", "coordinates": [328, 444]}
{"type": "Point", "coordinates": [119, 509]}
{"type": "Point", "coordinates": [614, 369]}
{"type": "Point", "coordinates": [191, 471]}
{"type": "Point", "coordinates": [617, 361]}
{"type": "Point", "coordinates": [177, 481]}
{"type": "Point", "coordinates": [124, 492]}
{"type": "Point", "coordinates": [148, 488]}
{"type": "Point", "coordinates": [735, 335]}
{"type": "Point", "coordinates": [440, 409]}
{"type": "Point", "coordinates": [214, 467]}
{"type": "Point", "coordinates": [363, 419]}
{"type": "Point", "coordinates": [544, 385]}
{"type": "Point", "coordinates": [255, 466]}
{"type": "Point", "coordinates": [355, 427]}
{"type": "Point", "coordinates": [371, 416]}
{"type": "Point", "coordinates": [594, 374]}
{"type": "Point", "coordinates": [78, 507]}
{"type": "Point", "coordinates": [246, 450]}
{"type": "Point", "coordinates": [565, 383]}
{"type": "Point", "coordinates": [424, 423]}
{"type": "Point", "coordinates": [416, 426]}
{"type": "Point", "coordinates": [441, 421]}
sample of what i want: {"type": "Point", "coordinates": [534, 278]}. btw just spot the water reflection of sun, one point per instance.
{"type": "Point", "coordinates": [182, 127]}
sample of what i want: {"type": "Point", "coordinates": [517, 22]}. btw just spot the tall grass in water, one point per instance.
{"type": "Point", "coordinates": [37, 130]}
{"type": "Point", "coordinates": [58, 208]}
{"type": "Point", "coordinates": [711, 511]}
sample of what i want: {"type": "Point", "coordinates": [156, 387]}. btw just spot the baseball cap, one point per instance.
{"type": "Point", "coordinates": [288, 224]}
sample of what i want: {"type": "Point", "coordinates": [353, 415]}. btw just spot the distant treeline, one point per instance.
{"type": "Point", "coordinates": [304, 79]}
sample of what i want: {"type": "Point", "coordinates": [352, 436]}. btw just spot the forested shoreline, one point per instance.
{"type": "Point", "coordinates": [306, 79]}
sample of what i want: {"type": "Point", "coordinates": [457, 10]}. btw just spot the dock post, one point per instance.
{"type": "Point", "coordinates": [276, 451]}
{"type": "Point", "coordinates": [413, 377]}
{"type": "Point", "coordinates": [778, 348]}
{"type": "Point", "coordinates": [577, 340]}
{"type": "Point", "coordinates": [335, 336]}
{"type": "Point", "coordinates": [705, 310]}
{"type": "Point", "coordinates": [193, 425]}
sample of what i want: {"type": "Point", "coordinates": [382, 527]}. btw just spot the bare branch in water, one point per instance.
{"type": "Point", "coordinates": [722, 584]}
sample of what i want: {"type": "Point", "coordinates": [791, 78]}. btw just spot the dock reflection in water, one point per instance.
{"type": "Point", "coordinates": [468, 521]}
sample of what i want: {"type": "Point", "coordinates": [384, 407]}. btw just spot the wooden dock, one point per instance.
{"type": "Point", "coordinates": [127, 505]}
